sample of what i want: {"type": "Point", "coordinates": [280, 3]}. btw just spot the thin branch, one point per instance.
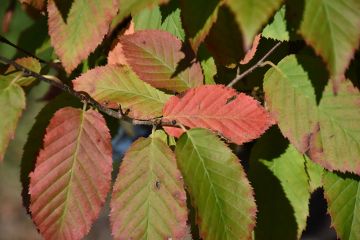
{"type": "Point", "coordinates": [251, 69]}
{"type": "Point", "coordinates": [6, 41]}
{"type": "Point", "coordinates": [85, 97]}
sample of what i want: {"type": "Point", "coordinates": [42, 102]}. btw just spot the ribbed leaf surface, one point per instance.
{"type": "Point", "coordinates": [12, 103]}
{"type": "Point", "coordinates": [343, 196]}
{"type": "Point", "coordinates": [149, 200]}
{"type": "Point", "coordinates": [154, 56]}
{"type": "Point", "coordinates": [251, 15]}
{"type": "Point", "coordinates": [236, 116]}
{"type": "Point", "coordinates": [336, 143]}
{"type": "Point", "coordinates": [118, 85]}
{"type": "Point", "coordinates": [332, 28]}
{"type": "Point", "coordinates": [72, 174]}
{"type": "Point", "coordinates": [219, 190]}
{"type": "Point", "coordinates": [77, 28]}
{"type": "Point", "coordinates": [277, 29]}
{"type": "Point", "coordinates": [198, 17]}
{"type": "Point", "coordinates": [292, 101]}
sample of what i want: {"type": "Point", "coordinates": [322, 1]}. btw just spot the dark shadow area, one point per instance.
{"type": "Point", "coordinates": [167, 9]}
{"type": "Point", "coordinates": [318, 222]}
{"type": "Point", "coordinates": [225, 43]}
{"type": "Point", "coordinates": [35, 140]}
{"type": "Point", "coordinates": [195, 13]}
{"type": "Point", "coordinates": [192, 221]}
{"type": "Point", "coordinates": [294, 13]}
{"type": "Point", "coordinates": [353, 72]}
{"type": "Point", "coordinates": [275, 217]}
{"type": "Point", "coordinates": [38, 33]}
{"type": "Point", "coordinates": [64, 7]}
{"type": "Point", "coordinates": [187, 61]}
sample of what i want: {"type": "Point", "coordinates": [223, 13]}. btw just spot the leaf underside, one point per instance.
{"type": "Point", "coordinates": [219, 190]}
{"type": "Point", "coordinates": [236, 116]}
{"type": "Point", "coordinates": [74, 35]}
{"type": "Point", "coordinates": [119, 86]}
{"type": "Point", "coordinates": [154, 56]}
{"type": "Point", "coordinates": [72, 174]}
{"type": "Point", "coordinates": [149, 200]}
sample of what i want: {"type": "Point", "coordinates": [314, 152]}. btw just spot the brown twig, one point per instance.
{"type": "Point", "coordinates": [251, 69]}
{"type": "Point", "coordinates": [85, 97]}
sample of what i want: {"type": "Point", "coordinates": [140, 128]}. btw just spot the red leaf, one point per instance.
{"type": "Point", "coordinates": [236, 116]}
{"type": "Point", "coordinates": [72, 174]}
{"type": "Point", "coordinates": [154, 56]}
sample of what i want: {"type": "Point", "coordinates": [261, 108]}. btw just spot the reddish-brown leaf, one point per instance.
{"type": "Point", "coordinates": [37, 4]}
{"type": "Point", "coordinates": [76, 33]}
{"type": "Point", "coordinates": [72, 174]}
{"type": "Point", "coordinates": [154, 56]}
{"type": "Point", "coordinates": [116, 55]}
{"type": "Point", "coordinates": [236, 116]}
{"type": "Point", "coordinates": [251, 53]}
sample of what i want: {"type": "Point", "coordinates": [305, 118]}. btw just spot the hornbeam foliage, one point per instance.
{"type": "Point", "coordinates": [206, 76]}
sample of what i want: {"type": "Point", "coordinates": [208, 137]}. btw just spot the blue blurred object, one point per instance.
{"type": "Point", "coordinates": [123, 139]}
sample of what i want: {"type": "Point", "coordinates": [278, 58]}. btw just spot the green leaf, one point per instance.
{"type": "Point", "coordinates": [332, 29]}
{"type": "Point", "coordinates": [208, 65]}
{"type": "Point", "coordinates": [217, 184]}
{"type": "Point", "coordinates": [12, 103]}
{"type": "Point", "coordinates": [343, 196]}
{"type": "Point", "coordinates": [251, 15]}
{"type": "Point", "coordinates": [149, 200]}
{"type": "Point", "coordinates": [198, 17]}
{"type": "Point", "coordinates": [281, 166]}
{"type": "Point", "coordinates": [277, 29]}
{"type": "Point", "coordinates": [18, 77]}
{"type": "Point", "coordinates": [292, 101]}
{"type": "Point", "coordinates": [76, 30]}
{"type": "Point", "coordinates": [128, 7]}
{"type": "Point", "coordinates": [335, 144]}
{"type": "Point", "coordinates": [119, 85]}
{"type": "Point", "coordinates": [315, 173]}
{"type": "Point", "coordinates": [152, 19]}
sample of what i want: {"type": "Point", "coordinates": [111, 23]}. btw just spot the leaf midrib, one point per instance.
{"type": "Point", "coordinates": [211, 185]}
{"type": "Point", "coordinates": [64, 212]}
